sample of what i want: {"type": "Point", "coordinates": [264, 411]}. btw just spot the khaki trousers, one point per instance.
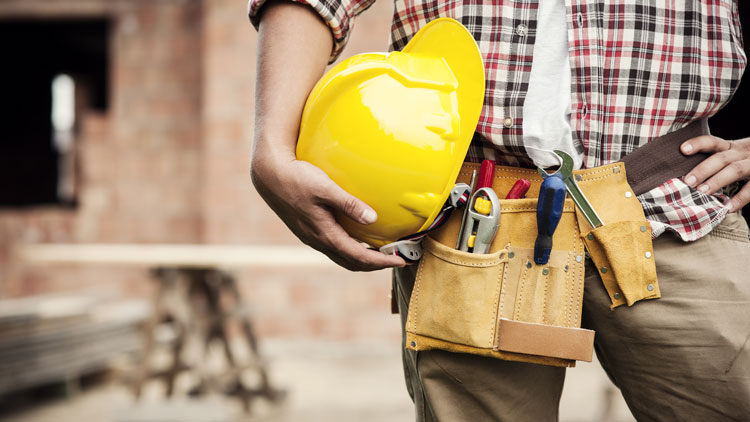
{"type": "Point", "coordinates": [684, 357]}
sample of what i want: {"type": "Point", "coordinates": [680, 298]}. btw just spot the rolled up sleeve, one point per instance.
{"type": "Point", "coordinates": [338, 15]}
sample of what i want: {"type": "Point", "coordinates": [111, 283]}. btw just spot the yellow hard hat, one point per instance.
{"type": "Point", "coordinates": [393, 128]}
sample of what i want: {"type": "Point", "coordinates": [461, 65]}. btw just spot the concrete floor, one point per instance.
{"type": "Point", "coordinates": [326, 382]}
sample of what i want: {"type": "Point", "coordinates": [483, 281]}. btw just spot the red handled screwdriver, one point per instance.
{"type": "Point", "coordinates": [486, 174]}
{"type": "Point", "coordinates": [519, 189]}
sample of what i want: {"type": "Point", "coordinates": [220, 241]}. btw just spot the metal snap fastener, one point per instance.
{"type": "Point", "coordinates": [603, 270]}
{"type": "Point", "coordinates": [413, 344]}
{"type": "Point", "coordinates": [628, 194]}
{"type": "Point", "coordinates": [528, 264]}
{"type": "Point", "coordinates": [617, 296]}
{"type": "Point", "coordinates": [579, 258]}
{"type": "Point", "coordinates": [511, 254]}
{"type": "Point", "coordinates": [579, 177]}
{"type": "Point", "coordinates": [545, 271]}
{"type": "Point", "coordinates": [508, 122]}
{"type": "Point", "coordinates": [616, 169]}
{"type": "Point", "coordinates": [650, 287]}
{"type": "Point", "coordinates": [644, 228]}
{"type": "Point", "coordinates": [566, 268]}
{"type": "Point", "coordinates": [648, 255]}
{"type": "Point", "coordinates": [590, 236]}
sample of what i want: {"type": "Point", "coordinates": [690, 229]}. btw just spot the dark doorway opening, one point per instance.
{"type": "Point", "coordinates": [37, 155]}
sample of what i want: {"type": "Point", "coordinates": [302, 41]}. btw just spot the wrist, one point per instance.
{"type": "Point", "coordinates": [270, 154]}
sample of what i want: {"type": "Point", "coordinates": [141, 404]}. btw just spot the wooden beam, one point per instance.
{"type": "Point", "coordinates": [180, 255]}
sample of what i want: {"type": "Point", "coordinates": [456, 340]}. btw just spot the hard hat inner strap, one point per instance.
{"type": "Point", "coordinates": [452, 203]}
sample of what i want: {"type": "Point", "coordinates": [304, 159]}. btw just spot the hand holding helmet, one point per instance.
{"type": "Point", "coordinates": [427, 101]}
{"type": "Point", "coordinates": [393, 128]}
{"type": "Point", "coordinates": [293, 51]}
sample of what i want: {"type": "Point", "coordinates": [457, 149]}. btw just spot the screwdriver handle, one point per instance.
{"type": "Point", "coordinates": [486, 174]}
{"type": "Point", "coordinates": [519, 189]}
{"type": "Point", "coordinates": [548, 212]}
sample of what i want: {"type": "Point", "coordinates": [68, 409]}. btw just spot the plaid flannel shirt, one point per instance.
{"type": "Point", "coordinates": [639, 70]}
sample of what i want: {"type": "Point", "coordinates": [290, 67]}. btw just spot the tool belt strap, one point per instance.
{"type": "Point", "coordinates": [660, 160]}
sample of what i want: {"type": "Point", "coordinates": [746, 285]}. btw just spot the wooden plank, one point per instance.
{"type": "Point", "coordinates": [62, 337]}
{"type": "Point", "coordinates": [181, 255]}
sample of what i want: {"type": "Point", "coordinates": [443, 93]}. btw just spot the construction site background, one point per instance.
{"type": "Point", "coordinates": [164, 159]}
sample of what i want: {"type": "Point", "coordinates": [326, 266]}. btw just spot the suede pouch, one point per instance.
{"type": "Point", "coordinates": [502, 304]}
{"type": "Point", "coordinates": [622, 248]}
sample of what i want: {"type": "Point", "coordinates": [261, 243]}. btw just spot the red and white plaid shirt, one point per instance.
{"type": "Point", "coordinates": [639, 70]}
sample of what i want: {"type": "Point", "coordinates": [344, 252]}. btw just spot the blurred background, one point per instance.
{"type": "Point", "coordinates": [141, 276]}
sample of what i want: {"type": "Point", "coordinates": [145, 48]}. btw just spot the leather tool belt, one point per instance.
{"type": "Point", "coordinates": [503, 305]}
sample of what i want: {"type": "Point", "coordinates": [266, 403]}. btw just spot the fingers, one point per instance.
{"type": "Point", "coordinates": [741, 199]}
{"type": "Point", "coordinates": [725, 165]}
{"type": "Point", "coordinates": [732, 172]}
{"type": "Point", "coordinates": [352, 255]}
{"type": "Point", "coordinates": [350, 205]}
{"type": "Point", "coordinates": [319, 229]}
{"type": "Point", "coordinates": [705, 143]}
{"type": "Point", "coordinates": [717, 171]}
{"type": "Point", "coordinates": [303, 196]}
{"type": "Point", "coordinates": [710, 166]}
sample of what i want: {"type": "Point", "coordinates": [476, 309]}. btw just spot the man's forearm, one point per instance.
{"type": "Point", "coordinates": [294, 45]}
{"type": "Point", "coordinates": [293, 49]}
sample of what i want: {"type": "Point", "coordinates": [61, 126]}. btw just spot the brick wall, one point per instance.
{"type": "Point", "coordinates": [168, 163]}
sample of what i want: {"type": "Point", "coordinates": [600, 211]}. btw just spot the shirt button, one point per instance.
{"type": "Point", "coordinates": [521, 30]}
{"type": "Point", "coordinates": [579, 19]}
{"type": "Point", "coordinates": [508, 122]}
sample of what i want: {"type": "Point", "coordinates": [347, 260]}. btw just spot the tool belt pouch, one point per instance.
{"type": "Point", "coordinates": [502, 304]}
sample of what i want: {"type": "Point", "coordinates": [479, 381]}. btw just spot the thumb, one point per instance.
{"type": "Point", "coordinates": [352, 206]}
{"type": "Point", "coordinates": [741, 198]}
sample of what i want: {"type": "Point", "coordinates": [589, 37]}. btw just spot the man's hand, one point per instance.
{"type": "Point", "coordinates": [304, 197]}
{"type": "Point", "coordinates": [728, 163]}
{"type": "Point", "coordinates": [294, 45]}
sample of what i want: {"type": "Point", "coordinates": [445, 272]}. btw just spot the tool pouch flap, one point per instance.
{"type": "Point", "coordinates": [622, 248]}
{"type": "Point", "coordinates": [623, 253]}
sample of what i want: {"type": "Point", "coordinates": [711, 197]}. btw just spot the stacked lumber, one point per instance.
{"type": "Point", "coordinates": [46, 339]}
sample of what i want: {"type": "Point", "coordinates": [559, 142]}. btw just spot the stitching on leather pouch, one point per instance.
{"type": "Point", "coordinates": [493, 321]}
{"type": "Point", "coordinates": [506, 209]}
{"type": "Point", "coordinates": [417, 283]}
{"type": "Point", "coordinates": [580, 293]}
{"type": "Point", "coordinates": [471, 264]}
{"type": "Point", "coordinates": [502, 257]}
{"type": "Point", "coordinates": [573, 273]}
{"type": "Point", "coordinates": [569, 280]}
{"type": "Point", "coordinates": [502, 286]}
{"type": "Point", "coordinates": [519, 170]}
{"type": "Point", "coordinates": [607, 169]}
{"type": "Point", "coordinates": [519, 300]}
{"type": "Point", "coordinates": [546, 292]}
